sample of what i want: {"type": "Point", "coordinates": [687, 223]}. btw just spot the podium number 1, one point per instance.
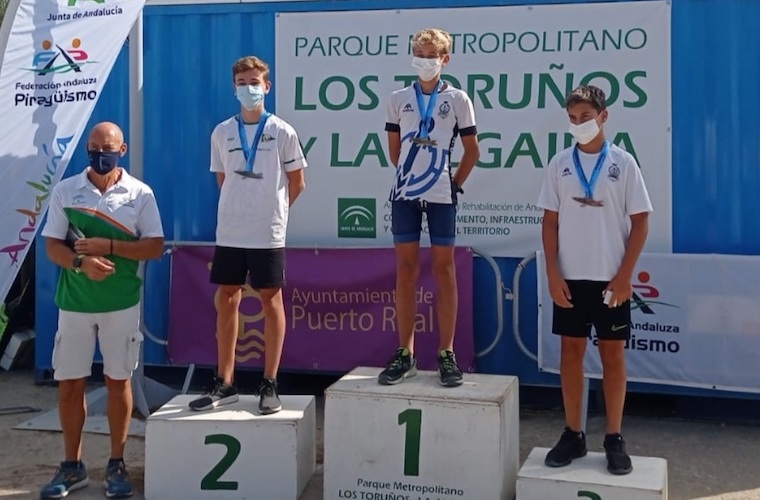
{"type": "Point", "coordinates": [211, 480]}
{"type": "Point", "coordinates": [413, 421]}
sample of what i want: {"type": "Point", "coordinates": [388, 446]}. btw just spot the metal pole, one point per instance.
{"type": "Point", "coordinates": [136, 116]}
{"type": "Point", "coordinates": [147, 393]}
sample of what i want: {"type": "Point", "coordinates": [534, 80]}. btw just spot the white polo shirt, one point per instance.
{"type": "Point", "coordinates": [592, 240]}
{"type": "Point", "coordinates": [126, 211]}
{"type": "Point", "coordinates": [429, 176]}
{"type": "Point", "coordinates": [253, 213]}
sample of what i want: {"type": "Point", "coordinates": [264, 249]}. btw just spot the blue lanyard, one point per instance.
{"type": "Point", "coordinates": [427, 115]}
{"type": "Point", "coordinates": [249, 152]}
{"type": "Point", "coordinates": [589, 185]}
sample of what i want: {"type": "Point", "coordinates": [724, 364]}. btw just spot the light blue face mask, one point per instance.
{"type": "Point", "coordinates": [250, 96]}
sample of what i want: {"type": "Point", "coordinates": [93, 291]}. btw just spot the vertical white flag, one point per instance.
{"type": "Point", "coordinates": [56, 57]}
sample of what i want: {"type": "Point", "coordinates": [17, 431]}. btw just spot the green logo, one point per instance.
{"type": "Point", "coordinates": [357, 218]}
{"type": "Point", "coordinates": [589, 494]}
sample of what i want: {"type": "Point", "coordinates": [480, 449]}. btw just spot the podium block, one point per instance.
{"type": "Point", "coordinates": [231, 452]}
{"type": "Point", "coordinates": [418, 440]}
{"type": "Point", "coordinates": [588, 478]}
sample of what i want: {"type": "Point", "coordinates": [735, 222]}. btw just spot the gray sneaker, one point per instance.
{"type": "Point", "coordinates": [220, 394]}
{"type": "Point", "coordinates": [269, 401]}
{"type": "Point", "coordinates": [67, 478]}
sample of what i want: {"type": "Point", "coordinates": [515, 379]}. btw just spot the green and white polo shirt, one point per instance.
{"type": "Point", "coordinates": [128, 212]}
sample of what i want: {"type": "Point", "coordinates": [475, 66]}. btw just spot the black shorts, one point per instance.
{"type": "Point", "coordinates": [589, 309]}
{"type": "Point", "coordinates": [265, 266]}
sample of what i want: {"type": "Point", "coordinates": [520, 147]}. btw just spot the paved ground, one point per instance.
{"type": "Point", "coordinates": [706, 460]}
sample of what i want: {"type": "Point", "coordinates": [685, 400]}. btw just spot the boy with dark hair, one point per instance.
{"type": "Point", "coordinates": [596, 210]}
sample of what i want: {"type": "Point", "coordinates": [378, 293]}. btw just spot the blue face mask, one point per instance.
{"type": "Point", "coordinates": [102, 162]}
{"type": "Point", "coordinates": [250, 96]}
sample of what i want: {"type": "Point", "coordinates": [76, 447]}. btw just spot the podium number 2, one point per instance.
{"type": "Point", "coordinates": [413, 420]}
{"type": "Point", "coordinates": [211, 480]}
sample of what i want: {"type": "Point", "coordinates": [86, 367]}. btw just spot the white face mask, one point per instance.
{"type": "Point", "coordinates": [585, 132]}
{"type": "Point", "coordinates": [250, 96]}
{"type": "Point", "coordinates": [427, 69]}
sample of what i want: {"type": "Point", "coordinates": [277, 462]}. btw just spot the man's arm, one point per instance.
{"type": "Point", "coordinates": [558, 288]}
{"type": "Point", "coordinates": [220, 178]}
{"type": "Point", "coordinates": [620, 285]}
{"type": "Point", "coordinates": [470, 157]}
{"type": "Point", "coordinates": [296, 185]}
{"type": "Point", "coordinates": [96, 268]}
{"type": "Point", "coordinates": [394, 147]}
{"type": "Point", "coordinates": [144, 249]}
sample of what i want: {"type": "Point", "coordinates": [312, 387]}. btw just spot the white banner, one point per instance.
{"type": "Point", "coordinates": [695, 323]}
{"type": "Point", "coordinates": [56, 57]}
{"type": "Point", "coordinates": [335, 71]}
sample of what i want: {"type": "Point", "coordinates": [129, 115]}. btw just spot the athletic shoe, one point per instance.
{"type": "Point", "coordinates": [69, 477]}
{"type": "Point", "coordinates": [269, 401]}
{"type": "Point", "coordinates": [117, 483]}
{"type": "Point", "coordinates": [570, 446]}
{"type": "Point", "coordinates": [402, 366]}
{"type": "Point", "coordinates": [618, 461]}
{"type": "Point", "coordinates": [449, 374]}
{"type": "Point", "coordinates": [220, 394]}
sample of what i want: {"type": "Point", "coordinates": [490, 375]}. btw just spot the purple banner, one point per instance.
{"type": "Point", "coordinates": [339, 309]}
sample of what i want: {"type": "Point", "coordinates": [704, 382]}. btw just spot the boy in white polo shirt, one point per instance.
{"type": "Point", "coordinates": [423, 123]}
{"type": "Point", "coordinates": [259, 165]}
{"type": "Point", "coordinates": [596, 210]}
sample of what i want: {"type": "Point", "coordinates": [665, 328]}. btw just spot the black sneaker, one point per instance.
{"type": "Point", "coordinates": [570, 446]}
{"type": "Point", "coordinates": [269, 401]}
{"type": "Point", "coordinates": [449, 374]}
{"type": "Point", "coordinates": [402, 366]}
{"type": "Point", "coordinates": [220, 394]}
{"type": "Point", "coordinates": [618, 461]}
{"type": "Point", "coordinates": [117, 483]}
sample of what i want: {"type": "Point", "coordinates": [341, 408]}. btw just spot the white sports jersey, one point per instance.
{"type": "Point", "coordinates": [253, 213]}
{"type": "Point", "coordinates": [428, 177]}
{"type": "Point", "coordinates": [592, 240]}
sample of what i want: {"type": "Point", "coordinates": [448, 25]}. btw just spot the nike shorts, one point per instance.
{"type": "Point", "coordinates": [589, 309]}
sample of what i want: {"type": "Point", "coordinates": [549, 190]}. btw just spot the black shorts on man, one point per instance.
{"type": "Point", "coordinates": [589, 309]}
{"type": "Point", "coordinates": [265, 267]}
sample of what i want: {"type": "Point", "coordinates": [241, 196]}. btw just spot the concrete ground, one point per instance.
{"type": "Point", "coordinates": [706, 460]}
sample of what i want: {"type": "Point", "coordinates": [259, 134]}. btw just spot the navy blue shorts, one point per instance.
{"type": "Point", "coordinates": [406, 221]}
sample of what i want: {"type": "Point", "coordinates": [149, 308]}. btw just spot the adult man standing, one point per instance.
{"type": "Point", "coordinates": [101, 224]}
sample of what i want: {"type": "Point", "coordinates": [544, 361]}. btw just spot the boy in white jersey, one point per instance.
{"type": "Point", "coordinates": [596, 211]}
{"type": "Point", "coordinates": [259, 164]}
{"type": "Point", "coordinates": [423, 123]}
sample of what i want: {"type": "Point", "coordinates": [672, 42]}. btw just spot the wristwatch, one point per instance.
{"type": "Point", "coordinates": [77, 264]}
{"type": "Point", "coordinates": [457, 187]}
